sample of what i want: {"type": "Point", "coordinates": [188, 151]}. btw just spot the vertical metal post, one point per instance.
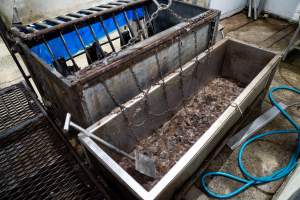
{"type": "Point", "coordinates": [68, 51]}
{"type": "Point", "coordinates": [249, 8]}
{"type": "Point", "coordinates": [128, 24]}
{"type": "Point", "coordinates": [260, 6]}
{"type": "Point", "coordinates": [51, 53]}
{"type": "Point", "coordinates": [82, 43]}
{"type": "Point", "coordinates": [140, 27]}
{"type": "Point", "coordinates": [96, 39]}
{"type": "Point", "coordinates": [107, 34]}
{"type": "Point", "coordinates": [118, 29]}
{"type": "Point", "coordinates": [255, 9]}
{"type": "Point", "coordinates": [148, 17]}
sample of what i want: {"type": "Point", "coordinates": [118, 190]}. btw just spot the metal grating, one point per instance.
{"type": "Point", "coordinates": [34, 29]}
{"type": "Point", "coordinates": [16, 106]}
{"type": "Point", "coordinates": [35, 163]}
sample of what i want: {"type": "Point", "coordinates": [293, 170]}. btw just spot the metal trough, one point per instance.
{"type": "Point", "coordinates": [80, 64]}
{"type": "Point", "coordinates": [249, 65]}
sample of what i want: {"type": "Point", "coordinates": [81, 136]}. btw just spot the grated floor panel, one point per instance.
{"type": "Point", "coordinates": [35, 163]}
{"type": "Point", "coordinates": [16, 106]}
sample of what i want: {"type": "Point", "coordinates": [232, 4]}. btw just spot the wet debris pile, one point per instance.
{"type": "Point", "coordinates": [169, 143]}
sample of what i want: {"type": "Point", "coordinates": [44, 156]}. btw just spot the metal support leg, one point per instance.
{"type": "Point", "coordinates": [254, 10]}
{"type": "Point", "coordinates": [249, 8]}
{"type": "Point", "coordinates": [256, 6]}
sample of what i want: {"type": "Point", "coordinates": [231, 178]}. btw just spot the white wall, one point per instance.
{"type": "Point", "coordinates": [288, 9]}
{"type": "Point", "coordinates": [228, 7]}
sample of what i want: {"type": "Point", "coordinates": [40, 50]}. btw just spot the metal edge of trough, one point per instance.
{"type": "Point", "coordinates": [147, 47]}
{"type": "Point", "coordinates": [200, 149]}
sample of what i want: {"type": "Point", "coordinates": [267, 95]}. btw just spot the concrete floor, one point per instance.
{"type": "Point", "coordinates": [262, 157]}
{"type": "Point", "coordinates": [269, 154]}
{"type": "Point", "coordinates": [9, 72]}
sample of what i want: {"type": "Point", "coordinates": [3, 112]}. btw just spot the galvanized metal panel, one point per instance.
{"type": "Point", "coordinates": [114, 128]}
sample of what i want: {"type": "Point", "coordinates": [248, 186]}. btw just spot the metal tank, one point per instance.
{"type": "Point", "coordinates": [148, 111]}
{"type": "Point", "coordinates": [92, 60]}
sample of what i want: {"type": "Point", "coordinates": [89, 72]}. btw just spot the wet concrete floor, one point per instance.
{"type": "Point", "coordinates": [9, 73]}
{"type": "Point", "coordinates": [269, 154]}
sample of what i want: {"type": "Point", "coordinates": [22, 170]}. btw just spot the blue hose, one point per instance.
{"type": "Point", "coordinates": [249, 179]}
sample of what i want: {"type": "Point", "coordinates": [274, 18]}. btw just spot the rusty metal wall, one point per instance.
{"type": "Point", "coordinates": [123, 85]}
{"type": "Point", "coordinates": [85, 96]}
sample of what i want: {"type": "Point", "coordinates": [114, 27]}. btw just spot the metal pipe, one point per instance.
{"type": "Point", "coordinates": [118, 29]}
{"type": "Point", "coordinates": [51, 53]}
{"type": "Point", "coordinates": [68, 51]}
{"type": "Point", "coordinates": [107, 34]}
{"type": "Point", "coordinates": [261, 6]}
{"type": "Point", "coordinates": [128, 24]}
{"type": "Point", "coordinates": [42, 25]}
{"type": "Point", "coordinates": [87, 12]}
{"type": "Point", "coordinates": [82, 43]}
{"type": "Point", "coordinates": [55, 21]}
{"type": "Point", "coordinates": [96, 9]}
{"type": "Point", "coordinates": [249, 8]}
{"type": "Point", "coordinates": [103, 142]}
{"type": "Point", "coordinates": [140, 27]}
{"type": "Point", "coordinates": [148, 17]}
{"type": "Point", "coordinates": [255, 10]}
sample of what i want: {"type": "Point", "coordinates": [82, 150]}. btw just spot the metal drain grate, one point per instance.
{"type": "Point", "coordinates": [35, 163]}
{"type": "Point", "coordinates": [16, 106]}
